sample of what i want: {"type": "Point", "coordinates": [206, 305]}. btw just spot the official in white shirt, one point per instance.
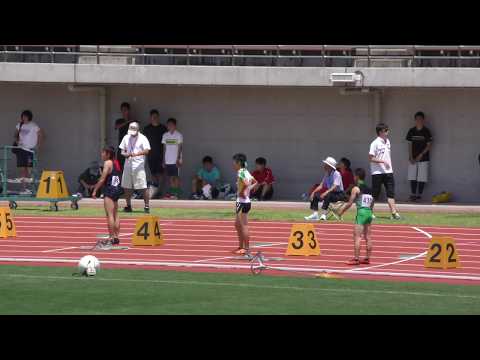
{"type": "Point", "coordinates": [381, 168]}
{"type": "Point", "coordinates": [134, 147]}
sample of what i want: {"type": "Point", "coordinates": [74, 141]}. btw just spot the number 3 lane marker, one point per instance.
{"type": "Point", "coordinates": [399, 261]}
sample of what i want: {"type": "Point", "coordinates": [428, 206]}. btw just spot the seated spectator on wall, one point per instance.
{"type": "Point", "coordinates": [205, 183]}
{"type": "Point", "coordinates": [347, 175]}
{"type": "Point", "coordinates": [263, 190]}
{"type": "Point", "coordinates": [333, 182]}
{"type": "Point", "coordinates": [88, 179]}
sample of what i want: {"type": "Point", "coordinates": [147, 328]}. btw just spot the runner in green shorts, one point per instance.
{"type": "Point", "coordinates": [362, 197]}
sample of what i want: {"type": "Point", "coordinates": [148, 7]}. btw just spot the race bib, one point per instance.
{"type": "Point", "coordinates": [366, 200]}
{"type": "Point", "coordinates": [115, 181]}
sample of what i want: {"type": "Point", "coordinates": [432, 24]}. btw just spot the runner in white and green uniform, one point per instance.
{"type": "Point", "coordinates": [245, 181]}
{"type": "Point", "coordinates": [362, 197]}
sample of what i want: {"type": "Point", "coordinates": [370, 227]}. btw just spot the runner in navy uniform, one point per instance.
{"type": "Point", "coordinates": [110, 179]}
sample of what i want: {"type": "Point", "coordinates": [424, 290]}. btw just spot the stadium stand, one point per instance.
{"type": "Point", "coordinates": [249, 55]}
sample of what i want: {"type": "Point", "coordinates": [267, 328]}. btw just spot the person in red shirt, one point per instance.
{"type": "Point", "coordinates": [347, 174]}
{"type": "Point", "coordinates": [263, 190]}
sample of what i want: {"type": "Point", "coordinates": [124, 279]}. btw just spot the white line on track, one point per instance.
{"type": "Point", "coordinates": [245, 267]}
{"type": "Point", "coordinates": [61, 249]}
{"type": "Point", "coordinates": [399, 261]}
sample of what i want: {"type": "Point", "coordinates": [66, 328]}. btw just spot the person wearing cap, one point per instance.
{"type": "Point", "coordinates": [381, 168]}
{"type": "Point", "coordinates": [134, 148]}
{"type": "Point", "coordinates": [88, 179]}
{"type": "Point", "coordinates": [121, 125]}
{"type": "Point", "coordinates": [332, 181]}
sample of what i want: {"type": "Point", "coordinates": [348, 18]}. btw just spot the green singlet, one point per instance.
{"type": "Point", "coordinates": [364, 202]}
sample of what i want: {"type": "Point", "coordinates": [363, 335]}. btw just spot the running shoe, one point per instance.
{"type": "Point", "coordinates": [127, 209]}
{"type": "Point", "coordinates": [365, 261]}
{"type": "Point", "coordinates": [353, 262]}
{"type": "Point", "coordinates": [313, 217]}
{"type": "Point", "coordinates": [240, 251]}
{"type": "Point", "coordinates": [26, 192]}
{"type": "Point", "coordinates": [146, 210]}
{"type": "Point", "coordinates": [323, 217]}
{"type": "Point", "coordinates": [395, 216]}
{"type": "Point", "coordinates": [115, 241]}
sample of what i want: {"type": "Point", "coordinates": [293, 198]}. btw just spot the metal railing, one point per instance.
{"type": "Point", "coordinates": [250, 55]}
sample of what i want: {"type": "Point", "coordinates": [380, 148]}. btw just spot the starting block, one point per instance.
{"type": "Point", "coordinates": [303, 240]}
{"type": "Point", "coordinates": [442, 253]}
{"type": "Point", "coordinates": [52, 185]}
{"type": "Point", "coordinates": [7, 224]}
{"type": "Point", "coordinates": [147, 232]}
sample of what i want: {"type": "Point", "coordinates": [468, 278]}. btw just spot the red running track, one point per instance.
{"type": "Point", "coordinates": [205, 245]}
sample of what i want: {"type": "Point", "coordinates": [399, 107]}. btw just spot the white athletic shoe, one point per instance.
{"type": "Point", "coordinates": [373, 216]}
{"type": "Point", "coordinates": [323, 217]}
{"type": "Point", "coordinates": [395, 216]}
{"type": "Point", "coordinates": [313, 217]}
{"type": "Point", "coordinates": [26, 192]}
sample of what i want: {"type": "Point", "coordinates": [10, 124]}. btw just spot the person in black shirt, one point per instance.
{"type": "Point", "coordinates": [122, 126]}
{"type": "Point", "coordinates": [154, 133]}
{"type": "Point", "coordinates": [420, 139]}
{"type": "Point", "coordinates": [88, 179]}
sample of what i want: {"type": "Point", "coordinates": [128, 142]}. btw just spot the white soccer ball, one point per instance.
{"type": "Point", "coordinates": [89, 265]}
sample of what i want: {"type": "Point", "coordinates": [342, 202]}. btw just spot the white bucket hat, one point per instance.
{"type": "Point", "coordinates": [330, 161]}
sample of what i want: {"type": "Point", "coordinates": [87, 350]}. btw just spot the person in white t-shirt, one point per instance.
{"type": "Point", "coordinates": [172, 142]}
{"type": "Point", "coordinates": [29, 137]}
{"type": "Point", "coordinates": [134, 147]}
{"type": "Point", "coordinates": [381, 168]}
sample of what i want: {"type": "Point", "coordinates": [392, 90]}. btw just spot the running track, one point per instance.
{"type": "Point", "coordinates": [205, 245]}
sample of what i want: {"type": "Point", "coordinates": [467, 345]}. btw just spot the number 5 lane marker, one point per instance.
{"type": "Point", "coordinates": [399, 261]}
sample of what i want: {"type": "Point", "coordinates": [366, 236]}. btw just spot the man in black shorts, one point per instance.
{"type": "Point", "coordinates": [381, 168]}
{"type": "Point", "coordinates": [154, 133]}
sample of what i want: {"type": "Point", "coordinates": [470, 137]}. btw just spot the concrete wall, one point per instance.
{"type": "Point", "coordinates": [293, 127]}
{"type": "Point", "coordinates": [452, 116]}
{"type": "Point", "coordinates": [233, 75]}
{"type": "Point", "coordinates": [70, 121]}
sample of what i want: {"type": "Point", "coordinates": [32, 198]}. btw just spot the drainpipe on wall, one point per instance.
{"type": "Point", "coordinates": [102, 108]}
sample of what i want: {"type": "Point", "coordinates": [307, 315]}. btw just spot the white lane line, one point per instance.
{"type": "Point", "coordinates": [398, 261]}
{"type": "Point", "coordinates": [245, 285]}
{"type": "Point", "coordinates": [219, 258]}
{"type": "Point", "coordinates": [247, 267]}
{"type": "Point", "coordinates": [423, 232]}
{"type": "Point", "coordinates": [61, 249]}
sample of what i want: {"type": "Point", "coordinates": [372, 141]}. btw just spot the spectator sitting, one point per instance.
{"type": "Point", "coordinates": [263, 189]}
{"type": "Point", "coordinates": [205, 183]}
{"type": "Point", "coordinates": [333, 182]}
{"type": "Point", "coordinates": [347, 174]}
{"type": "Point", "coordinates": [88, 179]}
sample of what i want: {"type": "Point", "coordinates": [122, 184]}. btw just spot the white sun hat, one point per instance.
{"type": "Point", "coordinates": [330, 161]}
{"type": "Point", "coordinates": [133, 128]}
